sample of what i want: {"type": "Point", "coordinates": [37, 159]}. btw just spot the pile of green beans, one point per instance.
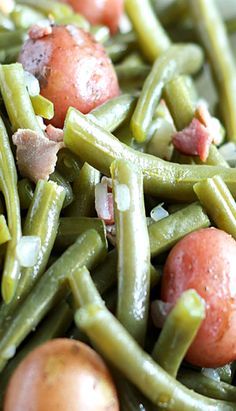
{"type": "Point", "coordinates": [94, 281]}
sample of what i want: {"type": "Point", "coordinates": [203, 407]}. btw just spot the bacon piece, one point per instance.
{"type": "Point", "coordinates": [54, 134]}
{"type": "Point", "coordinates": [193, 140]}
{"type": "Point", "coordinates": [36, 155]}
{"type": "Point", "coordinates": [37, 32]}
{"type": "Point", "coordinates": [211, 123]}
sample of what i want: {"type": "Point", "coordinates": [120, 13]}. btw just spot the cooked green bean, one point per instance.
{"type": "Point", "coordinates": [114, 112]}
{"type": "Point", "coordinates": [4, 231]}
{"type": "Point", "coordinates": [71, 227]}
{"type": "Point", "coordinates": [6, 23]}
{"type": "Point", "coordinates": [26, 193]}
{"type": "Point", "coordinates": [133, 265]}
{"type": "Point", "coordinates": [61, 181]}
{"type": "Point", "coordinates": [41, 220]}
{"type": "Point", "coordinates": [9, 54]}
{"type": "Point", "coordinates": [16, 98]}
{"type": "Point", "coordinates": [76, 19]}
{"type": "Point", "coordinates": [151, 36]}
{"type": "Point", "coordinates": [24, 16]}
{"type": "Point", "coordinates": [8, 186]}
{"type": "Point", "coordinates": [220, 205]}
{"type": "Point", "coordinates": [166, 180]}
{"type": "Point", "coordinates": [165, 233]}
{"type": "Point", "coordinates": [100, 33]}
{"type": "Point", "coordinates": [55, 325]}
{"type": "Point", "coordinates": [87, 250]}
{"type": "Point", "coordinates": [175, 61]}
{"type": "Point", "coordinates": [207, 386]}
{"type": "Point", "coordinates": [226, 373]}
{"type": "Point", "coordinates": [130, 398]}
{"type": "Point", "coordinates": [115, 343]}
{"type": "Point", "coordinates": [68, 164]}
{"type": "Point", "coordinates": [170, 12]}
{"type": "Point", "coordinates": [214, 37]}
{"type": "Point", "coordinates": [127, 72]}
{"type": "Point", "coordinates": [105, 274]}
{"type": "Point", "coordinates": [214, 158]}
{"type": "Point", "coordinates": [42, 107]}
{"type": "Point", "coordinates": [83, 289]}
{"type": "Point", "coordinates": [178, 332]}
{"type": "Point", "coordinates": [83, 204]}
{"type": "Point", "coordinates": [15, 38]}
{"type": "Point", "coordinates": [48, 8]}
{"type": "Point", "coordinates": [117, 51]}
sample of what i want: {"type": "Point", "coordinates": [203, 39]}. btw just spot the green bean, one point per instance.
{"type": "Point", "coordinates": [8, 186]}
{"type": "Point", "coordinates": [41, 220]}
{"type": "Point", "coordinates": [115, 343]}
{"type": "Point", "coordinates": [49, 8]}
{"type": "Point", "coordinates": [170, 12]}
{"type": "Point", "coordinates": [4, 231]}
{"type": "Point", "coordinates": [175, 61]}
{"type": "Point", "coordinates": [105, 274]}
{"type": "Point", "coordinates": [114, 112]}
{"type": "Point", "coordinates": [165, 233]}
{"type": "Point", "coordinates": [16, 98]}
{"type": "Point", "coordinates": [15, 37]}
{"type": "Point", "coordinates": [87, 250]}
{"type": "Point", "coordinates": [214, 158]}
{"type": "Point", "coordinates": [61, 181]}
{"type": "Point", "coordinates": [9, 54]}
{"type": "Point", "coordinates": [71, 227]}
{"type": "Point", "coordinates": [117, 51]}
{"type": "Point", "coordinates": [68, 164]}
{"type": "Point", "coordinates": [134, 265]}
{"type": "Point", "coordinates": [207, 386]}
{"type": "Point", "coordinates": [100, 33]}
{"type": "Point", "coordinates": [42, 107]}
{"type": "Point", "coordinates": [127, 72]}
{"type": "Point", "coordinates": [6, 24]}
{"type": "Point", "coordinates": [213, 35]}
{"type": "Point", "coordinates": [178, 332]}
{"type": "Point", "coordinates": [55, 325]}
{"type": "Point", "coordinates": [216, 198]}
{"type": "Point", "coordinates": [163, 179]}
{"type": "Point", "coordinates": [83, 288]}
{"type": "Point", "coordinates": [151, 36]}
{"type": "Point", "coordinates": [24, 16]}
{"type": "Point", "coordinates": [84, 192]}
{"type": "Point", "coordinates": [130, 398]}
{"type": "Point", "coordinates": [76, 19]}
{"type": "Point", "coordinates": [226, 373]}
{"type": "Point", "coordinates": [26, 193]}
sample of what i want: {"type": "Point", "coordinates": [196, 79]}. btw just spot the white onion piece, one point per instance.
{"type": "Point", "coordinates": [41, 123]}
{"type": "Point", "coordinates": [158, 213]}
{"type": "Point", "coordinates": [160, 144]}
{"type": "Point", "coordinates": [101, 201]}
{"type": "Point", "coordinates": [159, 312]}
{"type": "Point", "coordinates": [211, 373]}
{"type": "Point", "coordinates": [32, 84]}
{"type": "Point", "coordinates": [122, 197]}
{"type": "Point", "coordinates": [125, 25]}
{"type": "Point", "coordinates": [27, 250]}
{"type": "Point", "coordinates": [228, 151]}
{"type": "Point", "coordinates": [107, 181]}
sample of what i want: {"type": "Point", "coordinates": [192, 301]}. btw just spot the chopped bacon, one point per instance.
{"type": "Point", "coordinates": [193, 140]}
{"type": "Point", "coordinates": [54, 134]}
{"type": "Point", "coordinates": [36, 155]}
{"type": "Point", "coordinates": [38, 32]}
{"type": "Point", "coordinates": [211, 123]}
{"type": "Point", "coordinates": [104, 203]}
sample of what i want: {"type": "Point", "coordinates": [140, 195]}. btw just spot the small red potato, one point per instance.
{"type": "Point", "coordinates": [72, 68]}
{"type": "Point", "coordinates": [205, 260]}
{"type": "Point", "coordinates": [61, 375]}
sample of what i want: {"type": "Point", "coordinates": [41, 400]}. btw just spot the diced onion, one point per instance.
{"type": "Point", "coordinates": [160, 144]}
{"type": "Point", "coordinates": [228, 151]}
{"type": "Point", "coordinates": [159, 312]}
{"type": "Point", "coordinates": [41, 123]}
{"type": "Point", "coordinates": [27, 250]}
{"type": "Point", "coordinates": [158, 212]}
{"type": "Point", "coordinates": [101, 201]}
{"type": "Point", "coordinates": [211, 373]}
{"type": "Point", "coordinates": [122, 197]}
{"type": "Point", "coordinates": [32, 84]}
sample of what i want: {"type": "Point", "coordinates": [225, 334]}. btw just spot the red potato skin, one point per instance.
{"type": "Point", "coordinates": [206, 261]}
{"type": "Point", "coordinates": [72, 68]}
{"type": "Point", "coordinates": [107, 12]}
{"type": "Point", "coordinates": [61, 375]}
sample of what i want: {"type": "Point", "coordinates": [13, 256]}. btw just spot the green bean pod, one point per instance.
{"type": "Point", "coordinates": [220, 205]}
{"type": "Point", "coordinates": [83, 288]}
{"type": "Point", "coordinates": [211, 29]}
{"type": "Point", "coordinates": [68, 164]}
{"type": "Point", "coordinates": [42, 107]}
{"type": "Point", "coordinates": [26, 193]}
{"type": "Point", "coordinates": [23, 16]}
{"type": "Point", "coordinates": [4, 231]}
{"type": "Point", "coordinates": [119, 348]}
{"type": "Point", "coordinates": [49, 8]}
{"type": "Point", "coordinates": [61, 181]}
{"type": "Point", "coordinates": [87, 250]}
{"type": "Point", "coordinates": [151, 36]}
{"type": "Point", "coordinates": [8, 186]}
{"type": "Point", "coordinates": [134, 264]}
{"type": "Point", "coordinates": [175, 61]}
{"type": "Point", "coordinates": [16, 98]}
{"type": "Point", "coordinates": [163, 179]}
{"type": "Point", "coordinates": [83, 204]}
{"type": "Point", "coordinates": [179, 331]}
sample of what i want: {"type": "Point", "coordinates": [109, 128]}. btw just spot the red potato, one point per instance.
{"type": "Point", "coordinates": [73, 70]}
{"type": "Point", "coordinates": [107, 12]}
{"type": "Point", "coordinates": [61, 375]}
{"type": "Point", "coordinates": [205, 260]}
